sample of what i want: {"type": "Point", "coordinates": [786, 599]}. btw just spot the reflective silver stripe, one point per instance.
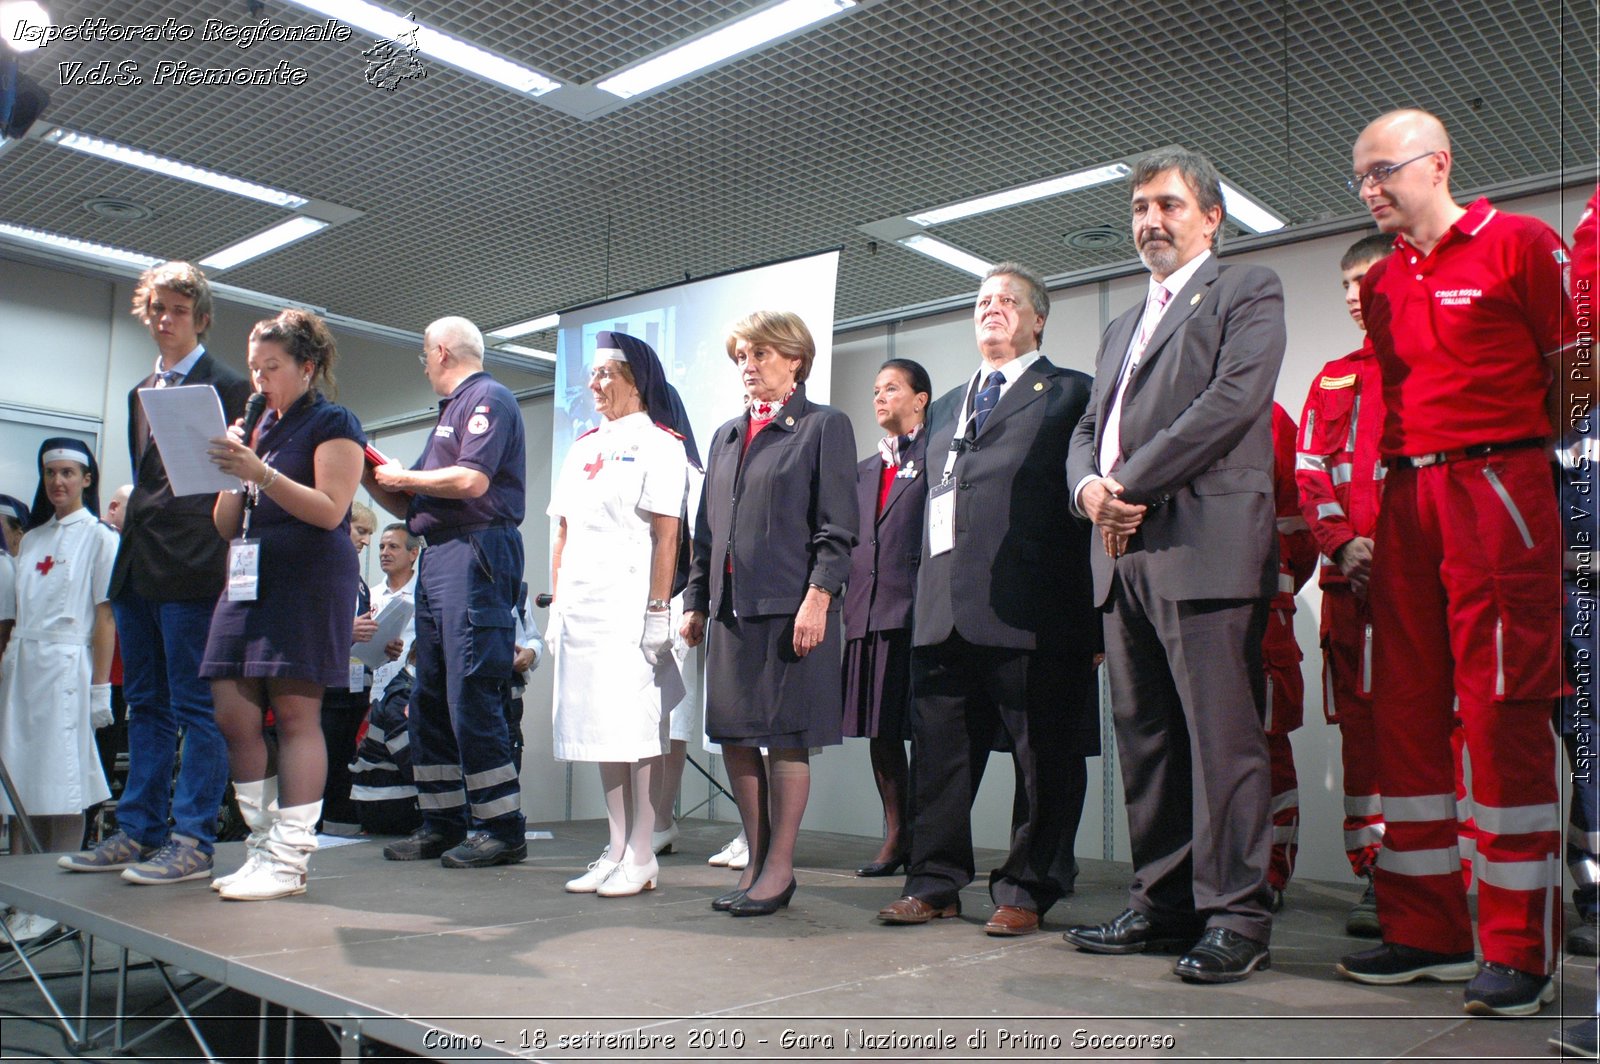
{"type": "Point", "coordinates": [1379, 471]}
{"type": "Point", "coordinates": [1517, 819]}
{"type": "Point", "coordinates": [383, 794]}
{"type": "Point", "coordinates": [398, 743]}
{"type": "Point", "coordinates": [1585, 872]}
{"type": "Point", "coordinates": [1514, 875]}
{"type": "Point", "coordinates": [436, 773]}
{"type": "Point", "coordinates": [1441, 862]}
{"type": "Point", "coordinates": [1285, 834]}
{"type": "Point", "coordinates": [1511, 507]}
{"type": "Point", "coordinates": [1288, 526]}
{"type": "Point", "coordinates": [1587, 841]}
{"type": "Point", "coordinates": [1361, 838]}
{"type": "Point", "coordinates": [489, 777]}
{"type": "Point", "coordinates": [1464, 808]}
{"type": "Point", "coordinates": [1312, 462]}
{"type": "Point", "coordinates": [1469, 848]}
{"type": "Point", "coordinates": [1342, 473]}
{"type": "Point", "coordinates": [376, 734]}
{"type": "Point", "coordinates": [1329, 509]}
{"type": "Point", "coordinates": [1366, 661]}
{"type": "Point", "coordinates": [450, 800]}
{"type": "Point", "coordinates": [1355, 418]}
{"type": "Point", "coordinates": [362, 764]}
{"type": "Point", "coordinates": [1419, 809]}
{"type": "Point", "coordinates": [499, 807]}
{"type": "Point", "coordinates": [1499, 657]}
{"type": "Point", "coordinates": [1311, 421]}
{"type": "Point", "coordinates": [1286, 800]}
{"type": "Point", "coordinates": [1330, 705]}
{"type": "Point", "coordinates": [1266, 724]}
{"type": "Point", "coordinates": [1362, 805]}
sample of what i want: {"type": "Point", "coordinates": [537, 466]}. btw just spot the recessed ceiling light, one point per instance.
{"type": "Point", "coordinates": [13, 14]}
{"type": "Point", "coordinates": [948, 254]}
{"type": "Point", "coordinates": [995, 201]}
{"type": "Point", "coordinates": [297, 228]}
{"type": "Point", "coordinates": [76, 246]}
{"type": "Point", "coordinates": [1248, 212]}
{"type": "Point", "coordinates": [741, 35]}
{"type": "Point", "coordinates": [470, 58]}
{"type": "Point", "coordinates": [121, 153]}
{"type": "Point", "coordinates": [526, 352]}
{"type": "Point", "coordinates": [523, 328]}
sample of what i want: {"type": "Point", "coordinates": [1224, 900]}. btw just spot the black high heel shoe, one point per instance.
{"type": "Point", "coordinates": [881, 868]}
{"type": "Point", "coordinates": [723, 902]}
{"type": "Point", "coordinates": [748, 906]}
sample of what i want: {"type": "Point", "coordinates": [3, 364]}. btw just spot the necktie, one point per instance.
{"type": "Point", "coordinates": [167, 378]}
{"type": "Point", "coordinates": [1111, 435]}
{"type": "Point", "coordinates": [986, 400]}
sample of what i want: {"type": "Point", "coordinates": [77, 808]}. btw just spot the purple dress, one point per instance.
{"type": "Point", "coordinates": [299, 626]}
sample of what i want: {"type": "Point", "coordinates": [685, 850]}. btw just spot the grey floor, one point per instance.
{"type": "Point", "coordinates": [469, 964]}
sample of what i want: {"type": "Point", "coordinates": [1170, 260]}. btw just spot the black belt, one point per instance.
{"type": "Point", "coordinates": [445, 535]}
{"type": "Point", "coordinates": [1481, 450]}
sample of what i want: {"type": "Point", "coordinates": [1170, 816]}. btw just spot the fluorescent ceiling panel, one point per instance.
{"type": "Point", "coordinates": [526, 352]}
{"type": "Point", "coordinates": [121, 153]}
{"type": "Point", "coordinates": [948, 254]}
{"type": "Point", "coordinates": [741, 35]}
{"type": "Point", "coordinates": [523, 328]}
{"type": "Point", "coordinates": [1249, 213]}
{"type": "Point", "coordinates": [1053, 186]}
{"type": "Point", "coordinates": [470, 58]}
{"type": "Point", "coordinates": [78, 247]}
{"type": "Point", "coordinates": [297, 228]}
{"type": "Point", "coordinates": [15, 12]}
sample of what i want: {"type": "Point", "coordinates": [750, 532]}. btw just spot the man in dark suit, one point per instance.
{"type": "Point", "coordinates": [168, 574]}
{"type": "Point", "coordinates": [1004, 634]}
{"type": "Point", "coordinates": [1173, 464]}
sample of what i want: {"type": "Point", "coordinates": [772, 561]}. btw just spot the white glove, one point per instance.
{"type": "Point", "coordinates": [657, 639]}
{"type": "Point", "coordinates": [100, 705]}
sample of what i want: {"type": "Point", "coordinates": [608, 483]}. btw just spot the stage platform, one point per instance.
{"type": "Point", "coordinates": [503, 963]}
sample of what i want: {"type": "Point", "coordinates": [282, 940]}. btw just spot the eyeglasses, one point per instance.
{"type": "Point", "coordinates": [1379, 174]}
{"type": "Point", "coordinates": [602, 374]}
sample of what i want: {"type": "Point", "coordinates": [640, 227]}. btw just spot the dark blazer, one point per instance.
{"type": "Point", "coordinates": [883, 567]}
{"type": "Point", "coordinates": [1197, 435]}
{"type": "Point", "coordinates": [1018, 575]}
{"type": "Point", "coordinates": [170, 550]}
{"type": "Point", "coordinates": [785, 510]}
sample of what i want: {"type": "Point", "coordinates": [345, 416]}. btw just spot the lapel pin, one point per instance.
{"type": "Point", "coordinates": [1195, 299]}
{"type": "Point", "coordinates": [788, 420]}
{"type": "Point", "coordinates": [1038, 386]}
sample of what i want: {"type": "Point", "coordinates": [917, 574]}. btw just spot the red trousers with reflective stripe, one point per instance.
{"type": "Point", "coordinates": [1286, 700]}
{"type": "Point", "coordinates": [1465, 594]}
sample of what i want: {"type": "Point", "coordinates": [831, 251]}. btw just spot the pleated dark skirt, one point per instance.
{"type": "Point", "coordinates": [877, 685]}
{"type": "Point", "coordinates": [758, 693]}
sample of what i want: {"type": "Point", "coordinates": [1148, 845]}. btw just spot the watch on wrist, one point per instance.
{"type": "Point", "coordinates": [658, 604]}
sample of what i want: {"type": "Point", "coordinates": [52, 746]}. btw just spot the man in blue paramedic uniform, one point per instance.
{"type": "Point", "coordinates": [465, 497]}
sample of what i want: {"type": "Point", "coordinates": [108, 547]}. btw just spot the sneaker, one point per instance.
{"type": "Point", "coordinates": [1391, 964]}
{"type": "Point", "coordinates": [1576, 1039]}
{"type": "Point", "coordinates": [26, 927]}
{"type": "Point", "coordinates": [175, 862]}
{"type": "Point", "coordinates": [1500, 990]}
{"type": "Point", "coordinates": [112, 855]}
{"type": "Point", "coordinates": [1362, 919]}
{"type": "Point", "coordinates": [423, 844]}
{"type": "Point", "coordinates": [482, 850]}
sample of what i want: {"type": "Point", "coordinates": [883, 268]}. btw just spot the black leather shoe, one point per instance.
{"type": "Point", "coordinates": [1222, 956]}
{"type": "Point", "coordinates": [881, 868]}
{"type": "Point", "coordinates": [723, 902]}
{"type": "Point", "coordinates": [1130, 932]}
{"type": "Point", "coordinates": [422, 844]}
{"type": "Point", "coordinates": [748, 906]}
{"type": "Point", "coordinates": [483, 850]}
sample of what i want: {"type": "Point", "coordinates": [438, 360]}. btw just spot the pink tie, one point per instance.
{"type": "Point", "coordinates": [1111, 437]}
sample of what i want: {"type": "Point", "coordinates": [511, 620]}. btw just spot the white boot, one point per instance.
{"type": "Point", "coordinates": [258, 806]}
{"type": "Point", "coordinates": [281, 868]}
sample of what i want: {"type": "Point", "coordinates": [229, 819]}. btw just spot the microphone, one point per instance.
{"type": "Point", "coordinates": [254, 407]}
{"type": "Point", "coordinates": [543, 599]}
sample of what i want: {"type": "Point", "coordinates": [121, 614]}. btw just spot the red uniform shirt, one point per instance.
{"type": "Point", "coordinates": [1463, 332]}
{"type": "Point", "coordinates": [1586, 259]}
{"type": "Point", "coordinates": [1338, 471]}
{"type": "Point", "coordinates": [1297, 553]}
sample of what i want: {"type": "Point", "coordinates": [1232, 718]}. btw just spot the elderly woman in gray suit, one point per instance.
{"type": "Point", "coordinates": [778, 519]}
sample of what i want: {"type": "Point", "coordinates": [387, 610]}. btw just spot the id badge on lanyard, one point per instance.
{"type": "Point", "coordinates": [244, 560]}
{"type": "Point", "coordinates": [942, 496]}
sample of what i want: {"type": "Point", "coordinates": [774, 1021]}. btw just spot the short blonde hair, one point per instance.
{"type": "Point", "coordinates": [780, 330]}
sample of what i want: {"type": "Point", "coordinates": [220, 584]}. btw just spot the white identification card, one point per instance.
{"type": "Point", "coordinates": [244, 569]}
{"type": "Point", "coordinates": [941, 517]}
{"type": "Point", "coordinates": [358, 676]}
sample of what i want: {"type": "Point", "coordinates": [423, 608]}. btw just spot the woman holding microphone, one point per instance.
{"type": "Point", "coordinates": [281, 631]}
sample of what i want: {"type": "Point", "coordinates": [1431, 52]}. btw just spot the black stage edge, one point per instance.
{"type": "Point", "coordinates": [502, 963]}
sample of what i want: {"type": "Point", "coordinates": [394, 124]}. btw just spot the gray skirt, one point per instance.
{"type": "Point", "coordinates": [758, 693]}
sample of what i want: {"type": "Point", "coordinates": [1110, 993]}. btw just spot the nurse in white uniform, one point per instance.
{"type": "Point", "coordinates": [55, 684]}
{"type": "Point", "coordinates": [619, 503]}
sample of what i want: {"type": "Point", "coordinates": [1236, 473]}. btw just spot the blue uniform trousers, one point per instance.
{"type": "Point", "coordinates": [460, 746]}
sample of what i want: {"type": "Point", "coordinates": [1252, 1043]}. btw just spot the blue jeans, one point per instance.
{"type": "Point", "coordinates": [162, 645]}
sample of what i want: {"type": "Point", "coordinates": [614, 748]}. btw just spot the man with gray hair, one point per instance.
{"type": "Point", "coordinates": [465, 497]}
{"type": "Point", "coordinates": [1173, 463]}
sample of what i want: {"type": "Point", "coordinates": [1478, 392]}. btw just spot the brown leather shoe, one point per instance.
{"type": "Point", "coordinates": [1012, 920]}
{"type": "Point", "coordinates": [909, 910]}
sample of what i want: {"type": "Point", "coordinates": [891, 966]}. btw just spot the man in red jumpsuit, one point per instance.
{"type": "Point", "coordinates": [1471, 322]}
